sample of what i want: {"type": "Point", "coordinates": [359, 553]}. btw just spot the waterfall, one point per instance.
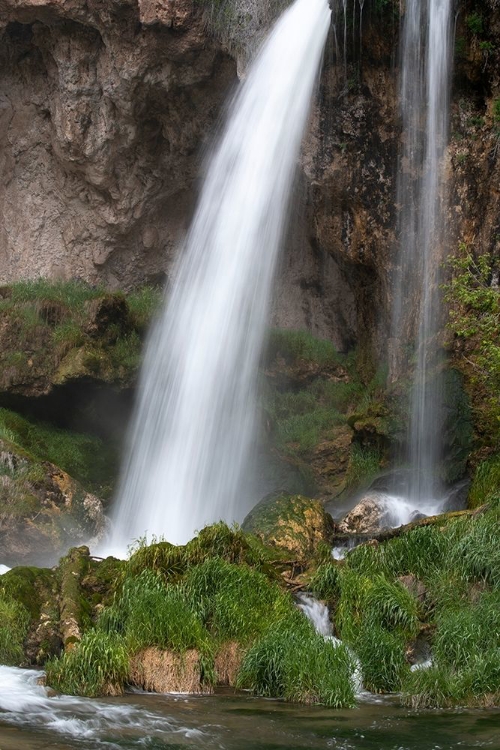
{"type": "Point", "coordinates": [425, 89]}
{"type": "Point", "coordinates": [194, 423]}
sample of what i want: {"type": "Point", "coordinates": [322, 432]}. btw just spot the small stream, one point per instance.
{"type": "Point", "coordinates": [32, 719]}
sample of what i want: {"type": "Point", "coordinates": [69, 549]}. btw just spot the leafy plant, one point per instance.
{"type": "Point", "coordinates": [97, 666]}
{"type": "Point", "coordinates": [14, 621]}
{"type": "Point", "coordinates": [291, 661]}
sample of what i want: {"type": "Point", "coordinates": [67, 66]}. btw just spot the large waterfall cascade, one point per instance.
{"type": "Point", "coordinates": [426, 45]}
{"type": "Point", "coordinates": [193, 428]}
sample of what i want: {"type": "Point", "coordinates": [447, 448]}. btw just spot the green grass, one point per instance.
{"type": "Point", "coordinates": [234, 601]}
{"type": "Point", "coordinates": [14, 622]}
{"type": "Point", "coordinates": [325, 583]}
{"type": "Point", "coordinates": [291, 661]}
{"type": "Point", "coordinates": [143, 304]}
{"type": "Point", "coordinates": [364, 465]}
{"type": "Point", "coordinates": [97, 666]}
{"type": "Point", "coordinates": [85, 457]}
{"type": "Point", "coordinates": [71, 294]}
{"type": "Point", "coordinates": [302, 432]}
{"type": "Point", "coordinates": [160, 615]}
{"type": "Point", "coordinates": [382, 657]}
{"type": "Point", "coordinates": [486, 482]}
{"type": "Point", "coordinates": [295, 346]}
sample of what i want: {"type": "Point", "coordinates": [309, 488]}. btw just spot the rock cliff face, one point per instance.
{"type": "Point", "coordinates": [105, 109]}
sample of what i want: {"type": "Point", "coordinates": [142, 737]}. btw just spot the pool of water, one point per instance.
{"type": "Point", "coordinates": [32, 719]}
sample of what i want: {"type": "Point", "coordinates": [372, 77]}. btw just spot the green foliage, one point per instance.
{"type": "Point", "coordinates": [326, 582]}
{"type": "Point", "coordinates": [234, 601]}
{"type": "Point", "coordinates": [430, 688]}
{"type": "Point", "coordinates": [159, 615]}
{"type": "Point", "coordinates": [14, 622]}
{"type": "Point", "coordinates": [97, 666]}
{"type": "Point", "coordinates": [486, 482]}
{"type": "Point", "coordinates": [382, 657]}
{"type": "Point", "coordinates": [474, 319]}
{"type": "Point", "coordinates": [291, 661]}
{"type": "Point", "coordinates": [218, 540]}
{"type": "Point", "coordinates": [475, 556]}
{"type": "Point", "coordinates": [71, 294]}
{"type": "Point", "coordinates": [364, 465]}
{"type": "Point", "coordinates": [84, 457]}
{"type": "Point", "coordinates": [294, 346]}
{"type": "Point", "coordinates": [474, 22]}
{"type": "Point", "coordinates": [496, 110]}
{"type": "Point", "coordinates": [302, 432]}
{"type": "Point", "coordinates": [466, 634]}
{"type": "Point", "coordinates": [143, 304]}
{"type": "Point", "coordinates": [391, 606]}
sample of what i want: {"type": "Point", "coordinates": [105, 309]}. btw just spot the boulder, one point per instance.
{"type": "Point", "coordinates": [367, 517]}
{"type": "Point", "coordinates": [293, 523]}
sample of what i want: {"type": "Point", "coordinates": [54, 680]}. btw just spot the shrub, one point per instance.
{"type": "Point", "coordinates": [474, 23]}
{"type": "Point", "coordinates": [97, 666]}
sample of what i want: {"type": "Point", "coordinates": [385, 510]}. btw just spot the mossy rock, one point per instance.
{"type": "Point", "coordinates": [35, 592]}
{"type": "Point", "coordinates": [44, 510]}
{"type": "Point", "coordinates": [293, 523]}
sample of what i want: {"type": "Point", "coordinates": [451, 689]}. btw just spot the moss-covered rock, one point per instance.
{"type": "Point", "coordinates": [44, 510]}
{"type": "Point", "coordinates": [290, 522]}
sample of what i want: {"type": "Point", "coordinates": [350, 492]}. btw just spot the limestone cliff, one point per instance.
{"type": "Point", "coordinates": [105, 110]}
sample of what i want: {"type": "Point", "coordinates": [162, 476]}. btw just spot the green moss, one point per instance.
{"type": "Point", "coordinates": [486, 482]}
{"type": "Point", "coordinates": [14, 622]}
{"type": "Point", "coordinates": [85, 457]}
{"type": "Point", "coordinates": [27, 586]}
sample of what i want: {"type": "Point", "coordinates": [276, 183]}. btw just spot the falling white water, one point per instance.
{"type": "Point", "coordinates": [24, 702]}
{"type": "Point", "coordinates": [318, 614]}
{"type": "Point", "coordinates": [194, 423]}
{"type": "Point", "coordinates": [425, 90]}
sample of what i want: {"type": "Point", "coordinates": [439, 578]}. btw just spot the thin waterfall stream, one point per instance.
{"type": "Point", "coordinates": [425, 91]}
{"type": "Point", "coordinates": [191, 438]}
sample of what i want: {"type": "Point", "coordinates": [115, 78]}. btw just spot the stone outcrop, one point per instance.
{"type": "Point", "coordinates": [367, 517]}
{"type": "Point", "coordinates": [43, 510]}
{"type": "Point", "coordinates": [105, 107]}
{"type": "Point", "coordinates": [291, 523]}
